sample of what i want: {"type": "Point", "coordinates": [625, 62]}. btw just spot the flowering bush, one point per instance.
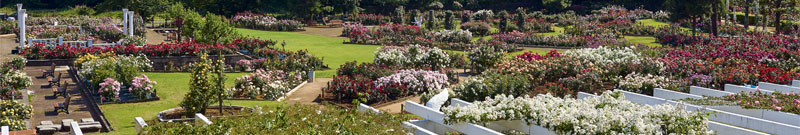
{"type": "Point", "coordinates": [268, 85]}
{"type": "Point", "coordinates": [562, 40]}
{"type": "Point", "coordinates": [453, 36]}
{"type": "Point", "coordinates": [108, 33]}
{"type": "Point", "coordinates": [40, 51]}
{"type": "Point", "coordinates": [251, 20]}
{"type": "Point", "coordinates": [408, 82]}
{"type": "Point", "coordinates": [142, 87]}
{"type": "Point", "coordinates": [292, 119]}
{"type": "Point", "coordinates": [371, 19]}
{"type": "Point", "coordinates": [530, 56]}
{"type": "Point", "coordinates": [122, 68]}
{"type": "Point", "coordinates": [109, 90]}
{"type": "Point", "coordinates": [777, 101]}
{"type": "Point", "coordinates": [484, 58]}
{"type": "Point", "coordinates": [644, 83]}
{"type": "Point", "coordinates": [489, 85]}
{"type": "Point", "coordinates": [12, 82]}
{"type": "Point", "coordinates": [594, 115]}
{"type": "Point", "coordinates": [478, 28]}
{"type": "Point", "coordinates": [14, 113]}
{"type": "Point", "coordinates": [412, 56]}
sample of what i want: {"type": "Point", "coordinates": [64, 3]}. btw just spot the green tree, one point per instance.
{"type": "Point", "coordinates": [399, 15]}
{"type": "Point", "coordinates": [448, 20]}
{"type": "Point", "coordinates": [520, 18]}
{"type": "Point", "coordinates": [430, 23]}
{"type": "Point", "coordinates": [691, 10]}
{"type": "Point", "coordinates": [556, 5]}
{"type": "Point", "coordinates": [215, 31]}
{"type": "Point", "coordinates": [201, 87]}
{"type": "Point", "coordinates": [145, 8]}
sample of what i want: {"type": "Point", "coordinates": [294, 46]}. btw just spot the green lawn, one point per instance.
{"type": "Point", "coordinates": [556, 30]}
{"type": "Point", "coordinates": [171, 88]}
{"type": "Point", "coordinates": [333, 51]}
{"type": "Point", "coordinates": [645, 40]}
{"type": "Point", "coordinates": [652, 22]}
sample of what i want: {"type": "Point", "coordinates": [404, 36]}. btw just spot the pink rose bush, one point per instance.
{"type": "Point", "coordinates": [142, 87]}
{"type": "Point", "coordinates": [109, 90]}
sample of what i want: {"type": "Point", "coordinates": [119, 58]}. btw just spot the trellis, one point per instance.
{"type": "Point", "coordinates": [22, 15]}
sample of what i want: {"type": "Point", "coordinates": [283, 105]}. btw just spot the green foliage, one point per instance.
{"type": "Point", "coordinates": [146, 8]}
{"type": "Point", "coordinates": [203, 89]}
{"type": "Point", "coordinates": [430, 22]}
{"type": "Point", "coordinates": [216, 30]}
{"type": "Point", "coordinates": [484, 58]}
{"type": "Point", "coordinates": [490, 85]}
{"type": "Point", "coordinates": [14, 114]}
{"type": "Point", "coordinates": [556, 5]}
{"type": "Point", "coordinates": [399, 15]}
{"type": "Point", "coordinates": [448, 20]}
{"type": "Point", "coordinates": [296, 119]}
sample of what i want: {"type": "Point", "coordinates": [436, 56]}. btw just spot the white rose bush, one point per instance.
{"type": "Point", "coordinates": [609, 113]}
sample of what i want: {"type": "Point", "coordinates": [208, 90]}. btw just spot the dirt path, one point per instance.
{"type": "Point", "coordinates": [154, 37]}
{"type": "Point", "coordinates": [7, 43]}
{"type": "Point", "coordinates": [309, 92]}
{"type": "Point", "coordinates": [328, 32]}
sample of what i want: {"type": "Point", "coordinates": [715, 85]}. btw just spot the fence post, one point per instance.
{"type": "Point", "coordinates": [60, 40]}
{"type": "Point", "coordinates": [30, 41]}
{"type": "Point", "coordinates": [89, 43]}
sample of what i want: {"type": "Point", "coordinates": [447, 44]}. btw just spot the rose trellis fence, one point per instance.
{"type": "Point", "coordinates": [128, 19]}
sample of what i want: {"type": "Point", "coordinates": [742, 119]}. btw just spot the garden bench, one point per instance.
{"type": "Point", "coordinates": [335, 23]}
{"type": "Point", "coordinates": [49, 72]}
{"type": "Point", "coordinates": [56, 80]}
{"type": "Point", "coordinates": [62, 106]}
{"type": "Point", "coordinates": [47, 127]}
{"type": "Point", "coordinates": [61, 91]}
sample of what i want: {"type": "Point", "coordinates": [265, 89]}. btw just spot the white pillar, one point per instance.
{"type": "Point", "coordinates": [21, 25]}
{"type": "Point", "coordinates": [124, 20]}
{"type": "Point", "coordinates": [130, 23]}
{"type": "Point", "coordinates": [727, 9]}
{"type": "Point", "coordinates": [19, 6]}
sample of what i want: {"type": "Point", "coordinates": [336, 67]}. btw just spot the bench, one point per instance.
{"type": "Point", "coordinates": [62, 91]}
{"type": "Point", "coordinates": [62, 106]}
{"type": "Point", "coordinates": [49, 72]}
{"type": "Point", "coordinates": [55, 81]}
{"type": "Point", "coordinates": [335, 23]}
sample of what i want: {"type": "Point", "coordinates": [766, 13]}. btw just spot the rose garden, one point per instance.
{"type": "Point", "coordinates": [400, 67]}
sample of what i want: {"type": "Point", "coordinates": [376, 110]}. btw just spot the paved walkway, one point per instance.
{"type": "Point", "coordinates": [154, 37]}
{"type": "Point", "coordinates": [7, 43]}
{"type": "Point", "coordinates": [309, 93]}
{"type": "Point", "coordinates": [42, 99]}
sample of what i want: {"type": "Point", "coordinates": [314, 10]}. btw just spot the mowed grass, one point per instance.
{"type": "Point", "coordinates": [333, 50]}
{"type": "Point", "coordinates": [171, 88]}
{"type": "Point", "coordinates": [645, 40]}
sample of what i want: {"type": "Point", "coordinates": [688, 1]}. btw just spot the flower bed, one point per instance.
{"type": "Point", "coordinates": [117, 79]}
{"type": "Point", "coordinates": [562, 40]}
{"type": "Point", "coordinates": [371, 83]}
{"type": "Point", "coordinates": [266, 85]}
{"type": "Point", "coordinates": [609, 113]}
{"type": "Point", "coordinates": [40, 51]}
{"type": "Point", "coordinates": [412, 56]}
{"type": "Point", "coordinates": [293, 119]}
{"type": "Point", "coordinates": [13, 114]}
{"type": "Point", "coordinates": [251, 20]}
{"type": "Point", "coordinates": [404, 35]}
{"type": "Point", "coordinates": [13, 79]}
{"type": "Point", "coordinates": [370, 19]}
{"type": "Point", "coordinates": [776, 101]}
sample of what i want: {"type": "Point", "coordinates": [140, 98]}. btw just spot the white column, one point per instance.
{"type": "Point", "coordinates": [124, 20]}
{"type": "Point", "coordinates": [19, 6]}
{"type": "Point", "coordinates": [130, 23]}
{"type": "Point", "coordinates": [727, 9]}
{"type": "Point", "coordinates": [21, 25]}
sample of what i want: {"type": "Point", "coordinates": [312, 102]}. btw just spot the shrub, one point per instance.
{"type": "Point", "coordinates": [484, 58]}
{"type": "Point", "coordinates": [292, 119]}
{"type": "Point", "coordinates": [370, 19]}
{"type": "Point", "coordinates": [268, 85]}
{"type": "Point", "coordinates": [12, 82]}
{"type": "Point", "coordinates": [408, 82]}
{"type": "Point", "coordinates": [453, 36]}
{"type": "Point", "coordinates": [251, 20]}
{"type": "Point", "coordinates": [644, 83]}
{"type": "Point", "coordinates": [14, 114]}
{"type": "Point", "coordinates": [369, 70]}
{"type": "Point", "coordinates": [479, 28]}
{"type": "Point", "coordinates": [142, 87]}
{"type": "Point", "coordinates": [490, 85]}
{"type": "Point", "coordinates": [202, 88]}
{"type": "Point", "coordinates": [412, 56]}
{"type": "Point", "coordinates": [109, 90]}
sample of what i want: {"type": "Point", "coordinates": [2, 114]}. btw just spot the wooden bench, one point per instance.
{"type": "Point", "coordinates": [62, 91]}
{"type": "Point", "coordinates": [55, 81]}
{"type": "Point", "coordinates": [62, 106]}
{"type": "Point", "coordinates": [49, 72]}
{"type": "Point", "coordinates": [335, 23]}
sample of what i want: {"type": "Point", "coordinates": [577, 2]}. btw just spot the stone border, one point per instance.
{"type": "Point", "coordinates": [91, 104]}
{"type": "Point", "coordinates": [160, 114]}
{"type": "Point", "coordinates": [778, 87]}
{"type": "Point", "coordinates": [158, 63]}
{"type": "Point", "coordinates": [279, 99]}
{"type": "Point", "coordinates": [796, 83]}
{"type": "Point", "coordinates": [740, 89]}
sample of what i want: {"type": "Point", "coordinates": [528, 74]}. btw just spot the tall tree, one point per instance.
{"type": "Point", "coordinates": [690, 10]}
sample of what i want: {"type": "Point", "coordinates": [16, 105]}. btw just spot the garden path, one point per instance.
{"type": "Point", "coordinates": [309, 93]}
{"type": "Point", "coordinates": [42, 98]}
{"type": "Point", "coordinates": [154, 37]}
{"type": "Point", "coordinates": [328, 32]}
{"type": "Point", "coordinates": [7, 43]}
